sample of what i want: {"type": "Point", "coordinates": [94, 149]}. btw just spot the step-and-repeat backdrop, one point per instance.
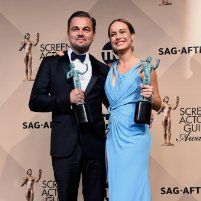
{"type": "Point", "coordinates": [168, 30]}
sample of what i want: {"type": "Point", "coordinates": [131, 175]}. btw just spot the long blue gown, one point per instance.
{"type": "Point", "coordinates": [128, 144]}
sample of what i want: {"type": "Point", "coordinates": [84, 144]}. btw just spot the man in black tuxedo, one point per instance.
{"type": "Point", "coordinates": [75, 149]}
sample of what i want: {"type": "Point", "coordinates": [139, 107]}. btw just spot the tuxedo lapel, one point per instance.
{"type": "Point", "coordinates": [91, 84]}
{"type": "Point", "coordinates": [94, 77]}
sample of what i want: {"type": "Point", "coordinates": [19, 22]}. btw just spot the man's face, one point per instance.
{"type": "Point", "coordinates": [80, 34]}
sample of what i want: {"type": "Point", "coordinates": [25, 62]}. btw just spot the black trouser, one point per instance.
{"type": "Point", "coordinates": [67, 173]}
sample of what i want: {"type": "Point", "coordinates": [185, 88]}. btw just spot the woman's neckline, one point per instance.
{"type": "Point", "coordinates": [133, 67]}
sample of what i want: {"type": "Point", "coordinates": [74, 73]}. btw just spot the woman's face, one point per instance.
{"type": "Point", "coordinates": [120, 37]}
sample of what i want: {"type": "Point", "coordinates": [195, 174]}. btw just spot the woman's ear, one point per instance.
{"type": "Point", "coordinates": [132, 37]}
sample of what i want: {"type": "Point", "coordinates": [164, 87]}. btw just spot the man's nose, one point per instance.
{"type": "Point", "coordinates": [80, 32]}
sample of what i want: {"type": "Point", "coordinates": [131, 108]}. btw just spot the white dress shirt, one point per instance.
{"type": "Point", "coordinates": [84, 79]}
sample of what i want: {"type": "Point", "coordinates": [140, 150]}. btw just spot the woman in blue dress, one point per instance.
{"type": "Point", "coordinates": [128, 144]}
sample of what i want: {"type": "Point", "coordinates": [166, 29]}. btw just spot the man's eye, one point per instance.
{"type": "Point", "coordinates": [75, 29]}
{"type": "Point", "coordinates": [86, 30]}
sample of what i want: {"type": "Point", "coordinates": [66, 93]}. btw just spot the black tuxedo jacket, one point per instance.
{"type": "Point", "coordinates": [51, 93]}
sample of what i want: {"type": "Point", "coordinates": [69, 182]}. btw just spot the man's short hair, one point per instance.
{"type": "Point", "coordinates": [82, 14]}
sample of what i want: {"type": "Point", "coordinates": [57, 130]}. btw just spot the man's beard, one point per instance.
{"type": "Point", "coordinates": [81, 49]}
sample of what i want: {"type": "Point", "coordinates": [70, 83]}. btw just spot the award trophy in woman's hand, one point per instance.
{"type": "Point", "coordinates": [144, 106]}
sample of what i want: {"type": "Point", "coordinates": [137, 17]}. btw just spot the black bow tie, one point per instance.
{"type": "Point", "coordinates": [81, 57]}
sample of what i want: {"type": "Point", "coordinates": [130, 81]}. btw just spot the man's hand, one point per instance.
{"type": "Point", "coordinates": [77, 96]}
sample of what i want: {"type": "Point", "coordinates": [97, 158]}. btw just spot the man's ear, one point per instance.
{"type": "Point", "coordinates": [67, 34]}
{"type": "Point", "coordinates": [94, 36]}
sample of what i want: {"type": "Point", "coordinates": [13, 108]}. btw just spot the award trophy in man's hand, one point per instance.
{"type": "Point", "coordinates": [81, 109]}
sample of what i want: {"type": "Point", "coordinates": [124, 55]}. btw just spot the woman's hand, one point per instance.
{"type": "Point", "coordinates": [60, 53]}
{"type": "Point", "coordinates": [147, 91]}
